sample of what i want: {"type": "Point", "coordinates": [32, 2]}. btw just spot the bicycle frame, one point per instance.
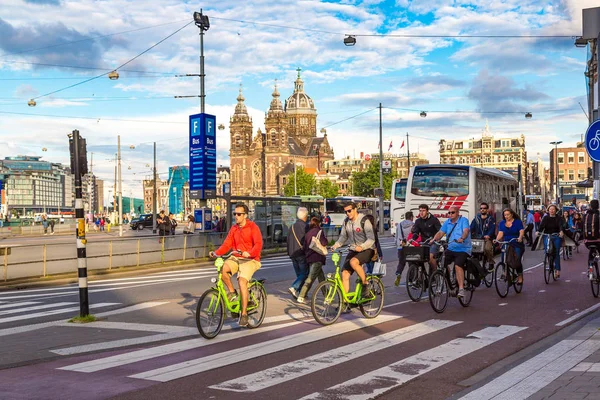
{"type": "Point", "coordinates": [234, 307]}
{"type": "Point", "coordinates": [336, 279]}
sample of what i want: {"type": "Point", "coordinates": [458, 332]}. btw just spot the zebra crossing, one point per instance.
{"type": "Point", "coordinates": [31, 310]}
{"type": "Point", "coordinates": [321, 348]}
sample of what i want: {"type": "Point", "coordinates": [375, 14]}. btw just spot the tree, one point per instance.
{"type": "Point", "coordinates": [364, 182]}
{"type": "Point", "coordinates": [306, 183]}
{"type": "Point", "coordinates": [327, 189]}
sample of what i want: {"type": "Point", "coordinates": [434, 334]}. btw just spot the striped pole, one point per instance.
{"type": "Point", "coordinates": [84, 303]}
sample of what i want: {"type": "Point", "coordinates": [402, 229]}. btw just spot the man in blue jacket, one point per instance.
{"type": "Point", "coordinates": [483, 227]}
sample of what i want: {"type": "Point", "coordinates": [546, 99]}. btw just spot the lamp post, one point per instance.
{"type": "Point", "coordinates": [380, 172]}
{"type": "Point", "coordinates": [556, 143]}
{"type": "Point", "coordinates": [203, 24]}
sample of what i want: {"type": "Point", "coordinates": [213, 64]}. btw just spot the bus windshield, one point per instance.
{"type": "Point", "coordinates": [400, 190]}
{"type": "Point", "coordinates": [335, 206]}
{"type": "Point", "coordinates": [448, 182]}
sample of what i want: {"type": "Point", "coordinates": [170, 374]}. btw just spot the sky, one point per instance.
{"type": "Point", "coordinates": [461, 82]}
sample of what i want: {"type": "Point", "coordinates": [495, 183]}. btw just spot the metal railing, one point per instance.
{"type": "Point", "coordinates": [41, 260]}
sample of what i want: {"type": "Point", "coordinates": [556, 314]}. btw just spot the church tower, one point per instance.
{"type": "Point", "coordinates": [302, 115]}
{"type": "Point", "coordinates": [240, 129]}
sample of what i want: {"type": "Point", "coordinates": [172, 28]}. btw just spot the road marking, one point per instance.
{"type": "Point", "coordinates": [53, 312]}
{"type": "Point", "coordinates": [542, 291]}
{"type": "Point", "coordinates": [230, 357]}
{"type": "Point", "coordinates": [534, 374]}
{"type": "Point", "coordinates": [38, 307]}
{"type": "Point", "coordinates": [372, 384]}
{"type": "Point", "coordinates": [283, 373]}
{"type": "Point", "coordinates": [23, 303]}
{"type": "Point", "coordinates": [579, 315]}
{"type": "Point", "coordinates": [503, 304]}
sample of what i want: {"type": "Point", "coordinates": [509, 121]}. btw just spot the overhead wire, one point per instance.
{"type": "Point", "coordinates": [84, 67]}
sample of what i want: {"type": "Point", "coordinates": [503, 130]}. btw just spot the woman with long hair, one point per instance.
{"type": "Point", "coordinates": [511, 227]}
{"type": "Point", "coordinates": [553, 223]}
{"type": "Point", "coordinates": [314, 260]}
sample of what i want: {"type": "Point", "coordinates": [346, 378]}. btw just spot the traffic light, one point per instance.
{"type": "Point", "coordinates": [81, 152]}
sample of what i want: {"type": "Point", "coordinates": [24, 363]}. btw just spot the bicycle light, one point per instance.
{"type": "Point", "coordinates": [330, 276]}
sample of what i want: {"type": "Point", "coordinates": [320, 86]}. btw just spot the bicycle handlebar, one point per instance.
{"type": "Point", "coordinates": [549, 234]}
{"type": "Point", "coordinates": [506, 242]}
{"type": "Point", "coordinates": [227, 255]}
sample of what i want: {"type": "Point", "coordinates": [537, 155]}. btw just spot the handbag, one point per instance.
{"type": "Point", "coordinates": [316, 246]}
{"type": "Point", "coordinates": [379, 268]}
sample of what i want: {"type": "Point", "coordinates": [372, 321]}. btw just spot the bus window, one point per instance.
{"type": "Point", "coordinates": [400, 192]}
{"type": "Point", "coordinates": [440, 182]}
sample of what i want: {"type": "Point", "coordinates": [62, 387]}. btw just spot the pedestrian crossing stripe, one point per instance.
{"type": "Point", "coordinates": [296, 369]}
{"type": "Point", "coordinates": [35, 308]}
{"type": "Point", "coordinates": [20, 304]}
{"type": "Point", "coordinates": [51, 312]}
{"type": "Point", "coordinates": [374, 383]}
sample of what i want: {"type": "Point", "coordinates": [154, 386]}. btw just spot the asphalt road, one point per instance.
{"type": "Point", "coordinates": [147, 347]}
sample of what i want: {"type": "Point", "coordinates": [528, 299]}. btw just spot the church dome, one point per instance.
{"type": "Point", "coordinates": [240, 107]}
{"type": "Point", "coordinates": [299, 100]}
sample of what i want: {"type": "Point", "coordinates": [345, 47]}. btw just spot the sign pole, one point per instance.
{"type": "Point", "coordinates": [380, 172]}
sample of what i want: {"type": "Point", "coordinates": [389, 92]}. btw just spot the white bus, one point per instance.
{"type": "Point", "coordinates": [442, 186]}
{"type": "Point", "coordinates": [397, 203]}
{"type": "Point", "coordinates": [533, 202]}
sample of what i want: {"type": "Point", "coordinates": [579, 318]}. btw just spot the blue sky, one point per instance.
{"type": "Point", "coordinates": [498, 79]}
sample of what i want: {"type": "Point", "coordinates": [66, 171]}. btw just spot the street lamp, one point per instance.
{"type": "Point", "coordinates": [203, 24]}
{"type": "Point", "coordinates": [349, 40]}
{"type": "Point", "coordinates": [113, 75]}
{"type": "Point", "coordinates": [556, 143]}
{"type": "Point", "coordinates": [31, 103]}
{"type": "Point", "coordinates": [423, 114]}
{"type": "Point", "coordinates": [528, 115]}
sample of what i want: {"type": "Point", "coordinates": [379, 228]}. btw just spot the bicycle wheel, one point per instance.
{"type": "Point", "coordinates": [489, 279]}
{"type": "Point", "coordinates": [438, 291]}
{"type": "Point", "coordinates": [415, 284]}
{"type": "Point", "coordinates": [469, 289]}
{"type": "Point", "coordinates": [595, 281]}
{"type": "Point", "coordinates": [515, 282]}
{"type": "Point", "coordinates": [210, 314]}
{"type": "Point", "coordinates": [257, 296]}
{"type": "Point", "coordinates": [548, 268]}
{"type": "Point", "coordinates": [502, 279]}
{"type": "Point", "coordinates": [326, 305]}
{"type": "Point", "coordinates": [565, 252]}
{"type": "Point", "coordinates": [552, 260]}
{"type": "Point", "coordinates": [373, 308]}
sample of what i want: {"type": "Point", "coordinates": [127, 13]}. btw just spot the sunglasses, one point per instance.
{"type": "Point", "coordinates": [483, 208]}
{"type": "Point", "coordinates": [451, 212]}
{"type": "Point", "coordinates": [238, 214]}
{"type": "Point", "coordinates": [348, 211]}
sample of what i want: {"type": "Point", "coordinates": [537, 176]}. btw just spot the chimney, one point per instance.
{"type": "Point", "coordinates": [362, 155]}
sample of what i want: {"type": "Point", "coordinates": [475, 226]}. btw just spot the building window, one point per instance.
{"type": "Point", "coordinates": [449, 147]}
{"type": "Point", "coordinates": [571, 175]}
{"type": "Point", "coordinates": [581, 174]}
{"type": "Point", "coordinates": [561, 174]}
{"type": "Point", "coordinates": [571, 158]}
{"type": "Point", "coordinates": [561, 158]}
{"type": "Point", "coordinates": [581, 157]}
{"type": "Point", "coordinates": [458, 146]}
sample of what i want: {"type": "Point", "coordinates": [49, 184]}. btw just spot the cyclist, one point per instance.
{"type": "Point", "coordinates": [553, 223]}
{"type": "Point", "coordinates": [591, 231]}
{"type": "Point", "coordinates": [426, 227]}
{"type": "Point", "coordinates": [362, 247]}
{"type": "Point", "coordinates": [458, 234]}
{"type": "Point", "coordinates": [244, 236]}
{"type": "Point", "coordinates": [402, 231]}
{"type": "Point", "coordinates": [511, 227]}
{"type": "Point", "coordinates": [483, 227]}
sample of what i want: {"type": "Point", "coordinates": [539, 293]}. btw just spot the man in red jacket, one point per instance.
{"type": "Point", "coordinates": [244, 237]}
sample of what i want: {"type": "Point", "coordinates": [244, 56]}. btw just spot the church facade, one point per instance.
{"type": "Point", "coordinates": [261, 163]}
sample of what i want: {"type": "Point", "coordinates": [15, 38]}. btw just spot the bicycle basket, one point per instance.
{"type": "Point", "coordinates": [477, 245]}
{"type": "Point", "coordinates": [419, 254]}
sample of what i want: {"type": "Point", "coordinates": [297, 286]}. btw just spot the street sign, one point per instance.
{"type": "Point", "coordinates": [367, 157]}
{"type": "Point", "coordinates": [386, 166]}
{"type": "Point", "coordinates": [203, 157]}
{"type": "Point", "coordinates": [592, 141]}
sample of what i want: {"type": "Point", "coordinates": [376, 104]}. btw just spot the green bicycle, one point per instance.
{"type": "Point", "coordinates": [329, 298]}
{"type": "Point", "coordinates": [210, 312]}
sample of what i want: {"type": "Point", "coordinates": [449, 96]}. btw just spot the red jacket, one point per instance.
{"type": "Point", "coordinates": [247, 238]}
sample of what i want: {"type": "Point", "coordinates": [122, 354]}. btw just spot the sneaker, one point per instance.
{"type": "Point", "coordinates": [300, 300]}
{"type": "Point", "coordinates": [397, 281]}
{"type": "Point", "coordinates": [461, 293]}
{"type": "Point", "coordinates": [366, 293]}
{"type": "Point", "coordinates": [232, 296]}
{"type": "Point", "coordinates": [346, 309]}
{"type": "Point", "coordinates": [243, 320]}
{"type": "Point", "coordinates": [52, 233]}
{"type": "Point", "coordinates": [294, 292]}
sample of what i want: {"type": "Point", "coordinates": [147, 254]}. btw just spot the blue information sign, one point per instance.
{"type": "Point", "coordinates": [592, 141]}
{"type": "Point", "coordinates": [203, 157]}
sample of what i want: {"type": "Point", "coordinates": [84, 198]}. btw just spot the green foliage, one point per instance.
{"type": "Point", "coordinates": [364, 182]}
{"type": "Point", "coordinates": [83, 320]}
{"type": "Point", "coordinates": [327, 189]}
{"type": "Point", "coordinates": [305, 186]}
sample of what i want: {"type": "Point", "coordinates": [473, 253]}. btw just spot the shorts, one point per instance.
{"type": "Point", "coordinates": [363, 257]}
{"type": "Point", "coordinates": [244, 268]}
{"type": "Point", "coordinates": [458, 257]}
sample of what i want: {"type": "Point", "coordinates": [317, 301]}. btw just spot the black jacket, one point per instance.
{"type": "Point", "coordinates": [294, 248]}
{"type": "Point", "coordinates": [427, 227]}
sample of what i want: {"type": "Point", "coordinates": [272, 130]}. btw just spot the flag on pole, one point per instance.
{"type": "Point", "coordinates": [378, 145]}
{"type": "Point", "coordinates": [402, 145]}
{"type": "Point", "coordinates": [390, 147]}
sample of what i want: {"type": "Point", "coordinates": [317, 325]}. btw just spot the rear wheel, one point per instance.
{"type": "Point", "coordinates": [326, 305]}
{"type": "Point", "coordinates": [596, 280]}
{"type": "Point", "coordinates": [257, 296]}
{"type": "Point", "coordinates": [489, 278]}
{"type": "Point", "coordinates": [438, 291]}
{"type": "Point", "coordinates": [548, 268]}
{"type": "Point", "coordinates": [373, 308]}
{"type": "Point", "coordinates": [501, 279]}
{"type": "Point", "coordinates": [210, 314]}
{"type": "Point", "coordinates": [469, 289]}
{"type": "Point", "coordinates": [516, 285]}
{"type": "Point", "coordinates": [551, 261]}
{"type": "Point", "coordinates": [415, 282]}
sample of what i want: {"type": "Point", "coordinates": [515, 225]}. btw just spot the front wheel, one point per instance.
{"type": "Point", "coordinates": [502, 279]}
{"type": "Point", "coordinates": [326, 305]}
{"type": "Point", "coordinates": [373, 308]}
{"type": "Point", "coordinates": [469, 289]}
{"type": "Point", "coordinates": [257, 305]}
{"type": "Point", "coordinates": [489, 279]}
{"type": "Point", "coordinates": [548, 263]}
{"type": "Point", "coordinates": [210, 314]}
{"type": "Point", "coordinates": [438, 291]}
{"type": "Point", "coordinates": [595, 281]}
{"type": "Point", "coordinates": [415, 282]}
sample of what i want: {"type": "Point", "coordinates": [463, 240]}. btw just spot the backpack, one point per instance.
{"type": "Point", "coordinates": [590, 226]}
{"type": "Point", "coordinates": [362, 225]}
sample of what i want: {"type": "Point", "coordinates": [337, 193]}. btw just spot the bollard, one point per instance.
{"type": "Point", "coordinates": [44, 261]}
{"type": "Point", "coordinates": [184, 245]}
{"type": "Point", "coordinates": [138, 253]}
{"type": "Point", "coordinates": [110, 255]}
{"type": "Point", "coordinates": [162, 251]}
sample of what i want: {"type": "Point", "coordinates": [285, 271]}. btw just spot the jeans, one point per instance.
{"type": "Point", "coordinates": [401, 262]}
{"type": "Point", "coordinates": [301, 269]}
{"type": "Point", "coordinates": [316, 272]}
{"type": "Point", "coordinates": [528, 233]}
{"type": "Point", "coordinates": [557, 242]}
